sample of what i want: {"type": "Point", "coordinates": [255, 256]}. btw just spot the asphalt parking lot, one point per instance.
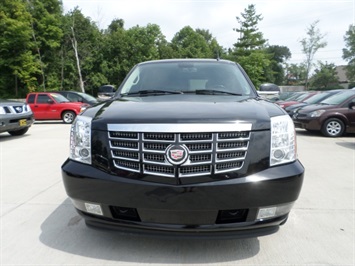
{"type": "Point", "coordinates": [39, 225]}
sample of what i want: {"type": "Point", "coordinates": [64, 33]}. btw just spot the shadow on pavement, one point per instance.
{"type": "Point", "coordinates": [349, 145]}
{"type": "Point", "coordinates": [7, 137]}
{"type": "Point", "coordinates": [65, 230]}
{"type": "Point", "coordinates": [49, 122]}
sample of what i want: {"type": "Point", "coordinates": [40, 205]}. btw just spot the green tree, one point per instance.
{"type": "Point", "coordinates": [188, 43]}
{"type": "Point", "coordinates": [349, 52]}
{"type": "Point", "coordinates": [81, 52]}
{"type": "Point", "coordinates": [47, 35]}
{"type": "Point", "coordinates": [216, 50]}
{"type": "Point", "coordinates": [125, 48]}
{"type": "Point", "coordinates": [279, 56]}
{"type": "Point", "coordinates": [295, 74]}
{"type": "Point", "coordinates": [249, 51]}
{"type": "Point", "coordinates": [142, 45]}
{"type": "Point", "coordinates": [113, 52]}
{"type": "Point", "coordinates": [18, 65]}
{"type": "Point", "coordinates": [324, 76]}
{"type": "Point", "coordinates": [310, 45]}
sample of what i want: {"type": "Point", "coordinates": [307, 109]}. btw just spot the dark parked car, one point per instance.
{"type": "Point", "coordinates": [317, 98]}
{"type": "Point", "coordinates": [269, 87]}
{"type": "Point", "coordinates": [75, 96]}
{"type": "Point", "coordinates": [282, 96]}
{"type": "Point", "coordinates": [15, 117]}
{"type": "Point", "coordinates": [185, 148]}
{"type": "Point", "coordinates": [333, 116]}
{"type": "Point", "coordinates": [106, 92]}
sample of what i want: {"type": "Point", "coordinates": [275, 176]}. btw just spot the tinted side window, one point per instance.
{"type": "Point", "coordinates": [31, 98]}
{"type": "Point", "coordinates": [72, 97]}
{"type": "Point", "coordinates": [43, 98]}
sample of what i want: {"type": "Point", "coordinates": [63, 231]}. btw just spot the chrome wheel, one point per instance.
{"type": "Point", "coordinates": [333, 128]}
{"type": "Point", "coordinates": [68, 117]}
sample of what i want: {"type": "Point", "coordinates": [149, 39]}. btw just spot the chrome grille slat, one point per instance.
{"type": "Point", "coordinates": [208, 152]}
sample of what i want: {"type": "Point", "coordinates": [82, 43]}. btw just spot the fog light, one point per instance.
{"type": "Point", "coordinates": [93, 208]}
{"type": "Point", "coordinates": [279, 154]}
{"type": "Point", "coordinates": [266, 213]}
{"type": "Point", "coordinates": [274, 211]}
{"type": "Point", "coordinates": [84, 153]}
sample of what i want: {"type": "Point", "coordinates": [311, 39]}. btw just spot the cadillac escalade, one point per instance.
{"type": "Point", "coordinates": [185, 148]}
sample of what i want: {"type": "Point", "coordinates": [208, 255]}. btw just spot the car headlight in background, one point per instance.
{"type": "Point", "coordinates": [27, 108]}
{"type": "Point", "coordinates": [80, 140]}
{"type": "Point", "coordinates": [283, 140]}
{"type": "Point", "coordinates": [317, 113]}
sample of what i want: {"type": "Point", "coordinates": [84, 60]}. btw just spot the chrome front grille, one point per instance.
{"type": "Point", "coordinates": [16, 109]}
{"type": "Point", "coordinates": [208, 152]}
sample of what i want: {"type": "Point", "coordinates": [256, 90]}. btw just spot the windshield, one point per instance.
{"type": "Point", "coordinates": [87, 97]}
{"type": "Point", "coordinates": [59, 98]}
{"type": "Point", "coordinates": [107, 89]}
{"type": "Point", "coordinates": [301, 97]}
{"type": "Point", "coordinates": [181, 77]}
{"type": "Point", "coordinates": [294, 96]}
{"type": "Point", "coordinates": [316, 98]}
{"type": "Point", "coordinates": [338, 98]}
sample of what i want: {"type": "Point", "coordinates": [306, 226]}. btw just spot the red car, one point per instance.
{"type": "Point", "coordinates": [53, 106]}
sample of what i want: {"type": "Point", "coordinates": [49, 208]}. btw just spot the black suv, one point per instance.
{"type": "Point", "coordinates": [185, 148]}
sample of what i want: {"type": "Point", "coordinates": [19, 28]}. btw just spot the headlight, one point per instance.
{"type": "Point", "coordinates": [317, 113]}
{"type": "Point", "coordinates": [80, 140]}
{"type": "Point", "coordinates": [27, 108]}
{"type": "Point", "coordinates": [83, 108]}
{"type": "Point", "coordinates": [283, 140]}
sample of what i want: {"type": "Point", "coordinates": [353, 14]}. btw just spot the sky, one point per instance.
{"type": "Point", "coordinates": [284, 23]}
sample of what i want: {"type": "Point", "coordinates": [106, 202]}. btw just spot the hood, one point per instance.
{"type": "Point", "coordinates": [257, 112]}
{"type": "Point", "coordinates": [74, 104]}
{"type": "Point", "coordinates": [12, 102]}
{"type": "Point", "coordinates": [295, 106]}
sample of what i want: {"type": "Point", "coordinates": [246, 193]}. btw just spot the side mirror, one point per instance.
{"type": "Point", "coordinates": [351, 105]}
{"type": "Point", "coordinates": [50, 101]}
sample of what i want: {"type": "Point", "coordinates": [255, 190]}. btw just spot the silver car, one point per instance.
{"type": "Point", "coordinates": [15, 117]}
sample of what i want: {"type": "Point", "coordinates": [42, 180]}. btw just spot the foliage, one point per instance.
{"type": "Point", "coordinates": [188, 43]}
{"type": "Point", "coordinates": [295, 74]}
{"type": "Point", "coordinates": [280, 54]}
{"type": "Point", "coordinates": [324, 76]}
{"type": "Point", "coordinates": [250, 37]}
{"type": "Point", "coordinates": [349, 52]}
{"type": "Point", "coordinates": [43, 49]}
{"type": "Point", "coordinates": [310, 45]}
{"type": "Point", "coordinates": [250, 49]}
{"type": "Point", "coordinates": [351, 85]}
{"type": "Point", "coordinates": [18, 65]}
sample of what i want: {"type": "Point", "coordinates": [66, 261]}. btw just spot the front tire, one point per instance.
{"type": "Point", "coordinates": [333, 127]}
{"type": "Point", "coordinates": [68, 117]}
{"type": "Point", "coordinates": [18, 132]}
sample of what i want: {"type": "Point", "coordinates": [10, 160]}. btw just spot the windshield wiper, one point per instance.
{"type": "Point", "coordinates": [214, 92]}
{"type": "Point", "coordinates": [151, 92]}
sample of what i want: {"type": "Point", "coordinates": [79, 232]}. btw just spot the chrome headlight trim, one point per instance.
{"type": "Point", "coordinates": [80, 140]}
{"type": "Point", "coordinates": [283, 140]}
